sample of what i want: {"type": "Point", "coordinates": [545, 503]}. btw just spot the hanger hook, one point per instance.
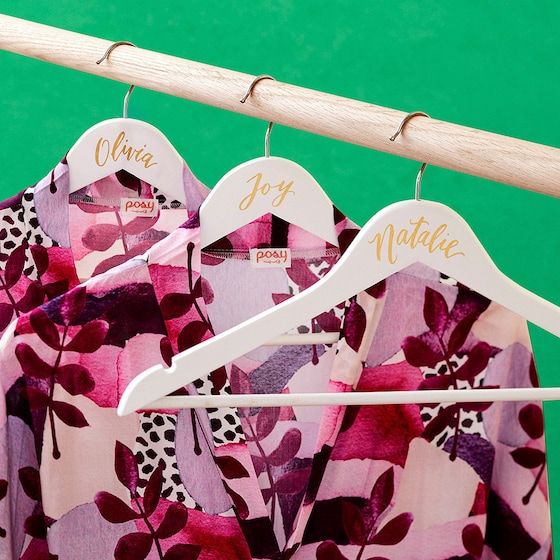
{"type": "Point", "coordinates": [418, 185]}
{"type": "Point", "coordinates": [270, 124]}
{"type": "Point", "coordinates": [106, 57]}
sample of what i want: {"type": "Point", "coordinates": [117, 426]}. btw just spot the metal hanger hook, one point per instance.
{"type": "Point", "coordinates": [404, 122]}
{"type": "Point", "coordinates": [106, 57]}
{"type": "Point", "coordinates": [418, 185]}
{"type": "Point", "coordinates": [270, 124]}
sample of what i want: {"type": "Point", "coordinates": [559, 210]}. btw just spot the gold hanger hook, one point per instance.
{"type": "Point", "coordinates": [106, 57]}
{"type": "Point", "coordinates": [418, 184]}
{"type": "Point", "coordinates": [270, 124]}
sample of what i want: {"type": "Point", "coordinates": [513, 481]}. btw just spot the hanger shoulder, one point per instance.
{"type": "Point", "coordinates": [396, 237]}
{"type": "Point", "coordinates": [267, 185]}
{"type": "Point", "coordinates": [130, 144]}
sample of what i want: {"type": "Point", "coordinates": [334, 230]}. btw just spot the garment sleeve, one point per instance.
{"type": "Point", "coordinates": [518, 509]}
{"type": "Point", "coordinates": [22, 523]}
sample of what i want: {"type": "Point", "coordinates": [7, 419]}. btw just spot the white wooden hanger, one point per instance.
{"type": "Point", "coordinates": [396, 237]}
{"type": "Point", "coordinates": [266, 185]}
{"type": "Point", "coordinates": [133, 145]}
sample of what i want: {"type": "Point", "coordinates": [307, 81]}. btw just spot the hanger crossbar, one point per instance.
{"type": "Point", "coordinates": [357, 398]}
{"type": "Point", "coordinates": [519, 163]}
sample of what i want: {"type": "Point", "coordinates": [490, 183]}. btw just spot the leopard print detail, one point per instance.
{"type": "Point", "coordinates": [154, 444]}
{"type": "Point", "coordinates": [471, 422]}
{"type": "Point", "coordinates": [225, 422]}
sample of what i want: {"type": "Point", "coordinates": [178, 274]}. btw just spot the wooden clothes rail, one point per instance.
{"type": "Point", "coordinates": [500, 158]}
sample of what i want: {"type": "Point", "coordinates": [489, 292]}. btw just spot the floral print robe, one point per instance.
{"type": "Point", "coordinates": [51, 240]}
{"type": "Point", "coordinates": [395, 482]}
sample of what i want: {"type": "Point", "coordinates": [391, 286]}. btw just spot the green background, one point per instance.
{"type": "Point", "coordinates": [491, 65]}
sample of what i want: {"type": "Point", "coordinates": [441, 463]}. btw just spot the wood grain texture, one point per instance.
{"type": "Point", "coordinates": [499, 158]}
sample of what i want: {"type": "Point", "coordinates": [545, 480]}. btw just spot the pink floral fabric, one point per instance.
{"type": "Point", "coordinates": [396, 482]}
{"type": "Point", "coordinates": [50, 240]}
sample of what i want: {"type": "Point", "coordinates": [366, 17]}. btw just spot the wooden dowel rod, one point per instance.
{"type": "Point", "coordinates": [528, 165]}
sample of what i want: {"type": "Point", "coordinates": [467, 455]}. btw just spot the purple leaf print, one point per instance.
{"type": "Point", "coordinates": [140, 224]}
{"type": "Point", "coordinates": [6, 314]}
{"type": "Point", "coordinates": [153, 490]}
{"type": "Point", "coordinates": [41, 258]}
{"type": "Point", "coordinates": [30, 482]}
{"type": "Point", "coordinates": [176, 304]}
{"type": "Point", "coordinates": [287, 448]}
{"type": "Point", "coordinates": [477, 361]}
{"type": "Point", "coordinates": [377, 291]}
{"type": "Point", "coordinates": [100, 237]}
{"type": "Point", "coordinates": [239, 503]}
{"type": "Point", "coordinates": [382, 494]}
{"type": "Point", "coordinates": [69, 414]}
{"type": "Point", "coordinates": [45, 328]}
{"type": "Point", "coordinates": [353, 522]}
{"type": "Point", "coordinates": [393, 531]}
{"type": "Point", "coordinates": [266, 420]}
{"type": "Point", "coordinates": [73, 304]}
{"type": "Point", "coordinates": [419, 354]}
{"type": "Point", "coordinates": [477, 406]}
{"type": "Point", "coordinates": [31, 364]}
{"type": "Point", "coordinates": [533, 373]}
{"type": "Point", "coordinates": [126, 467]}
{"type": "Point", "coordinates": [129, 181]}
{"type": "Point", "coordinates": [460, 332]}
{"type": "Point", "coordinates": [436, 312]}
{"type": "Point", "coordinates": [528, 457]}
{"type": "Point", "coordinates": [183, 552]}
{"type": "Point", "coordinates": [173, 521]}
{"type": "Point", "coordinates": [438, 423]}
{"type": "Point", "coordinates": [532, 421]}
{"type": "Point", "coordinates": [35, 526]}
{"type": "Point", "coordinates": [354, 325]}
{"type": "Point", "coordinates": [37, 398]}
{"type": "Point", "coordinates": [33, 297]}
{"type": "Point", "coordinates": [14, 267]}
{"type": "Point", "coordinates": [293, 482]}
{"type": "Point", "coordinates": [328, 550]}
{"type": "Point", "coordinates": [231, 468]}
{"type": "Point", "coordinates": [134, 546]}
{"type": "Point", "coordinates": [89, 338]}
{"type": "Point", "coordinates": [473, 540]}
{"type": "Point", "coordinates": [75, 378]}
{"type": "Point", "coordinates": [113, 509]}
{"type": "Point", "coordinates": [437, 382]}
{"type": "Point", "coordinates": [193, 333]}
{"type": "Point", "coordinates": [166, 350]}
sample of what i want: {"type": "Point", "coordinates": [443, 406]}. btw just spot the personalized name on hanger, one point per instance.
{"type": "Point", "coordinates": [261, 187]}
{"type": "Point", "coordinates": [120, 148]}
{"type": "Point", "coordinates": [418, 235]}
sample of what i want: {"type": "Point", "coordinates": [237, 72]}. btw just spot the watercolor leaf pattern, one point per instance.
{"type": "Point", "coordinates": [447, 336]}
{"type": "Point", "coordinates": [138, 545]}
{"type": "Point", "coordinates": [365, 526]}
{"type": "Point", "coordinates": [532, 421]}
{"type": "Point", "coordinates": [74, 378]}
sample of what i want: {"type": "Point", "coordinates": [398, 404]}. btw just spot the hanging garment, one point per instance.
{"type": "Point", "coordinates": [322, 483]}
{"type": "Point", "coordinates": [50, 241]}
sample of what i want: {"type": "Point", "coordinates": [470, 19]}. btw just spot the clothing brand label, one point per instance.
{"type": "Point", "coordinates": [120, 149]}
{"type": "Point", "coordinates": [271, 258]}
{"type": "Point", "coordinates": [259, 187]}
{"type": "Point", "coordinates": [418, 236]}
{"type": "Point", "coordinates": [140, 206]}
